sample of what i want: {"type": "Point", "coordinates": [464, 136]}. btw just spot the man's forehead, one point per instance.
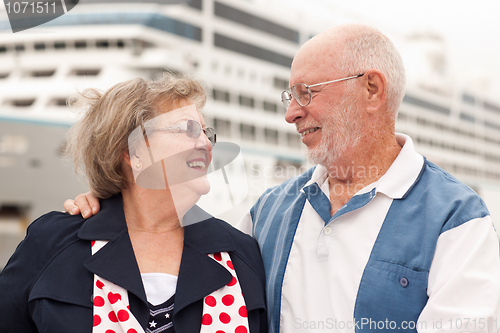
{"type": "Point", "coordinates": [316, 61]}
{"type": "Point", "coordinates": [311, 71]}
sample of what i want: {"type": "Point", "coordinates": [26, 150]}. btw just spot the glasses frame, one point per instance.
{"type": "Point", "coordinates": [193, 130]}
{"type": "Point", "coordinates": [286, 95]}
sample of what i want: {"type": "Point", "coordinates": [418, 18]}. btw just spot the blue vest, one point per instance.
{"type": "Point", "coordinates": [393, 288]}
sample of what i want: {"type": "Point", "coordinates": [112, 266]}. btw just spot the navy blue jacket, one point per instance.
{"type": "Point", "coordinates": [47, 284]}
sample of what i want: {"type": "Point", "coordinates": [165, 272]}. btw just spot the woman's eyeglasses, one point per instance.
{"type": "Point", "coordinates": [192, 128]}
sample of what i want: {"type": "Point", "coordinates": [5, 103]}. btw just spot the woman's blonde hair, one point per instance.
{"type": "Point", "coordinates": [98, 141]}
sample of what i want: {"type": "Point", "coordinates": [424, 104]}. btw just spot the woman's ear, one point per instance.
{"type": "Point", "coordinates": [133, 161]}
{"type": "Point", "coordinates": [375, 90]}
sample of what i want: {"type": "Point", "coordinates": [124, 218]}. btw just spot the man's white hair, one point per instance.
{"type": "Point", "coordinates": [364, 48]}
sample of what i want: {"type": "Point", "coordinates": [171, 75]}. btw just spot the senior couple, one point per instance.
{"type": "Point", "coordinates": [325, 251]}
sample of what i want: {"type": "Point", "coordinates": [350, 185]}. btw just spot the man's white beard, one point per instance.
{"type": "Point", "coordinates": [339, 133]}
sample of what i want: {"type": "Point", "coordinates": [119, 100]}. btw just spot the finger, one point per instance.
{"type": "Point", "coordinates": [83, 204]}
{"type": "Point", "coordinates": [70, 207]}
{"type": "Point", "coordinates": [93, 202]}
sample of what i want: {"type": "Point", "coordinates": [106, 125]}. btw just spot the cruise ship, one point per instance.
{"type": "Point", "coordinates": [243, 51]}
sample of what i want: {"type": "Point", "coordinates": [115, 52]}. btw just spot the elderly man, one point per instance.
{"type": "Point", "coordinates": [375, 237]}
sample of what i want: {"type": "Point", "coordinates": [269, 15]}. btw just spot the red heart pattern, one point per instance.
{"type": "Point", "coordinates": [111, 305]}
{"type": "Point", "coordinates": [113, 298]}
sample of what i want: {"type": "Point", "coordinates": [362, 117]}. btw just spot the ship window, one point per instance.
{"type": "Point", "coordinates": [58, 101]}
{"type": "Point", "coordinates": [492, 125]}
{"type": "Point", "coordinates": [103, 44]}
{"type": "Point", "coordinates": [13, 144]}
{"type": "Point", "coordinates": [491, 107]}
{"type": "Point", "coordinates": [468, 98]}
{"type": "Point", "coordinates": [247, 101]}
{"type": "Point", "coordinates": [255, 22]}
{"type": "Point", "coordinates": [220, 95]}
{"type": "Point", "coordinates": [195, 4]}
{"type": "Point", "coordinates": [4, 75]}
{"type": "Point", "coordinates": [293, 140]}
{"type": "Point", "coordinates": [59, 45]}
{"type": "Point", "coordinates": [493, 158]}
{"type": "Point", "coordinates": [251, 50]}
{"type": "Point", "coordinates": [280, 83]}
{"type": "Point", "coordinates": [22, 103]}
{"type": "Point", "coordinates": [120, 44]}
{"type": "Point", "coordinates": [13, 223]}
{"type": "Point", "coordinates": [286, 169]}
{"type": "Point", "coordinates": [80, 44]}
{"type": "Point", "coordinates": [421, 121]}
{"type": "Point", "coordinates": [173, 26]}
{"type": "Point", "coordinates": [247, 132]}
{"type": "Point", "coordinates": [467, 117]}
{"type": "Point", "coordinates": [426, 105]}
{"type": "Point", "coordinates": [39, 46]}
{"type": "Point", "coordinates": [43, 73]}
{"type": "Point", "coordinates": [85, 72]}
{"type": "Point", "coordinates": [271, 136]}
{"type": "Point", "coordinates": [3, 49]}
{"type": "Point", "coordinates": [19, 47]}
{"type": "Point", "coordinates": [153, 20]}
{"type": "Point", "coordinates": [270, 106]}
{"type": "Point", "coordinates": [142, 44]}
{"type": "Point", "coordinates": [222, 127]}
{"type": "Point", "coordinates": [493, 175]}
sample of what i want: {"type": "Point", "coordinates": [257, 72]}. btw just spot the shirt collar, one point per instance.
{"type": "Point", "coordinates": [395, 183]}
{"type": "Point", "coordinates": [319, 176]}
{"type": "Point", "coordinates": [404, 171]}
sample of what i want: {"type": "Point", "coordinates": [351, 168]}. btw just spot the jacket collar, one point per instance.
{"type": "Point", "coordinates": [108, 224]}
{"type": "Point", "coordinates": [115, 262]}
{"type": "Point", "coordinates": [199, 275]}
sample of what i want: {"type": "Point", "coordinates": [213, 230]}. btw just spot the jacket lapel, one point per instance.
{"type": "Point", "coordinates": [116, 261]}
{"type": "Point", "coordinates": [200, 275]}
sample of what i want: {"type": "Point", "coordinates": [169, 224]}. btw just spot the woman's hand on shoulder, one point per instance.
{"type": "Point", "coordinates": [85, 203]}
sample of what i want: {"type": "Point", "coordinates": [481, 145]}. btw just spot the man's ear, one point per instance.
{"type": "Point", "coordinates": [375, 90]}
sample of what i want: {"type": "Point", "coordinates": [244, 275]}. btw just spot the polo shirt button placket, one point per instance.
{"type": "Point", "coordinates": [327, 231]}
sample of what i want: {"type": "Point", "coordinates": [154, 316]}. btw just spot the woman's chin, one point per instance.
{"type": "Point", "coordinates": [202, 187]}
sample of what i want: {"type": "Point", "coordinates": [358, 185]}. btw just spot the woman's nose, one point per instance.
{"type": "Point", "coordinates": [202, 141]}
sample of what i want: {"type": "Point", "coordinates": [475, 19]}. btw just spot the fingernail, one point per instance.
{"type": "Point", "coordinates": [94, 210]}
{"type": "Point", "coordinates": [86, 213]}
{"type": "Point", "coordinates": [73, 211]}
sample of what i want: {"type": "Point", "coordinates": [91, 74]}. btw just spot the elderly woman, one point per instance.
{"type": "Point", "coordinates": [137, 266]}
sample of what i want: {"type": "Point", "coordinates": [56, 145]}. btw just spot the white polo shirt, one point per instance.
{"type": "Point", "coordinates": [326, 263]}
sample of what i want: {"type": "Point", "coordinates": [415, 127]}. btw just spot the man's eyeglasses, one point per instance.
{"type": "Point", "coordinates": [192, 129]}
{"type": "Point", "coordinates": [302, 94]}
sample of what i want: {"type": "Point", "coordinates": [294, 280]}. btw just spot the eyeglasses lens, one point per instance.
{"type": "Point", "coordinates": [301, 94]}
{"type": "Point", "coordinates": [286, 97]}
{"type": "Point", "coordinates": [210, 133]}
{"type": "Point", "coordinates": [193, 129]}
